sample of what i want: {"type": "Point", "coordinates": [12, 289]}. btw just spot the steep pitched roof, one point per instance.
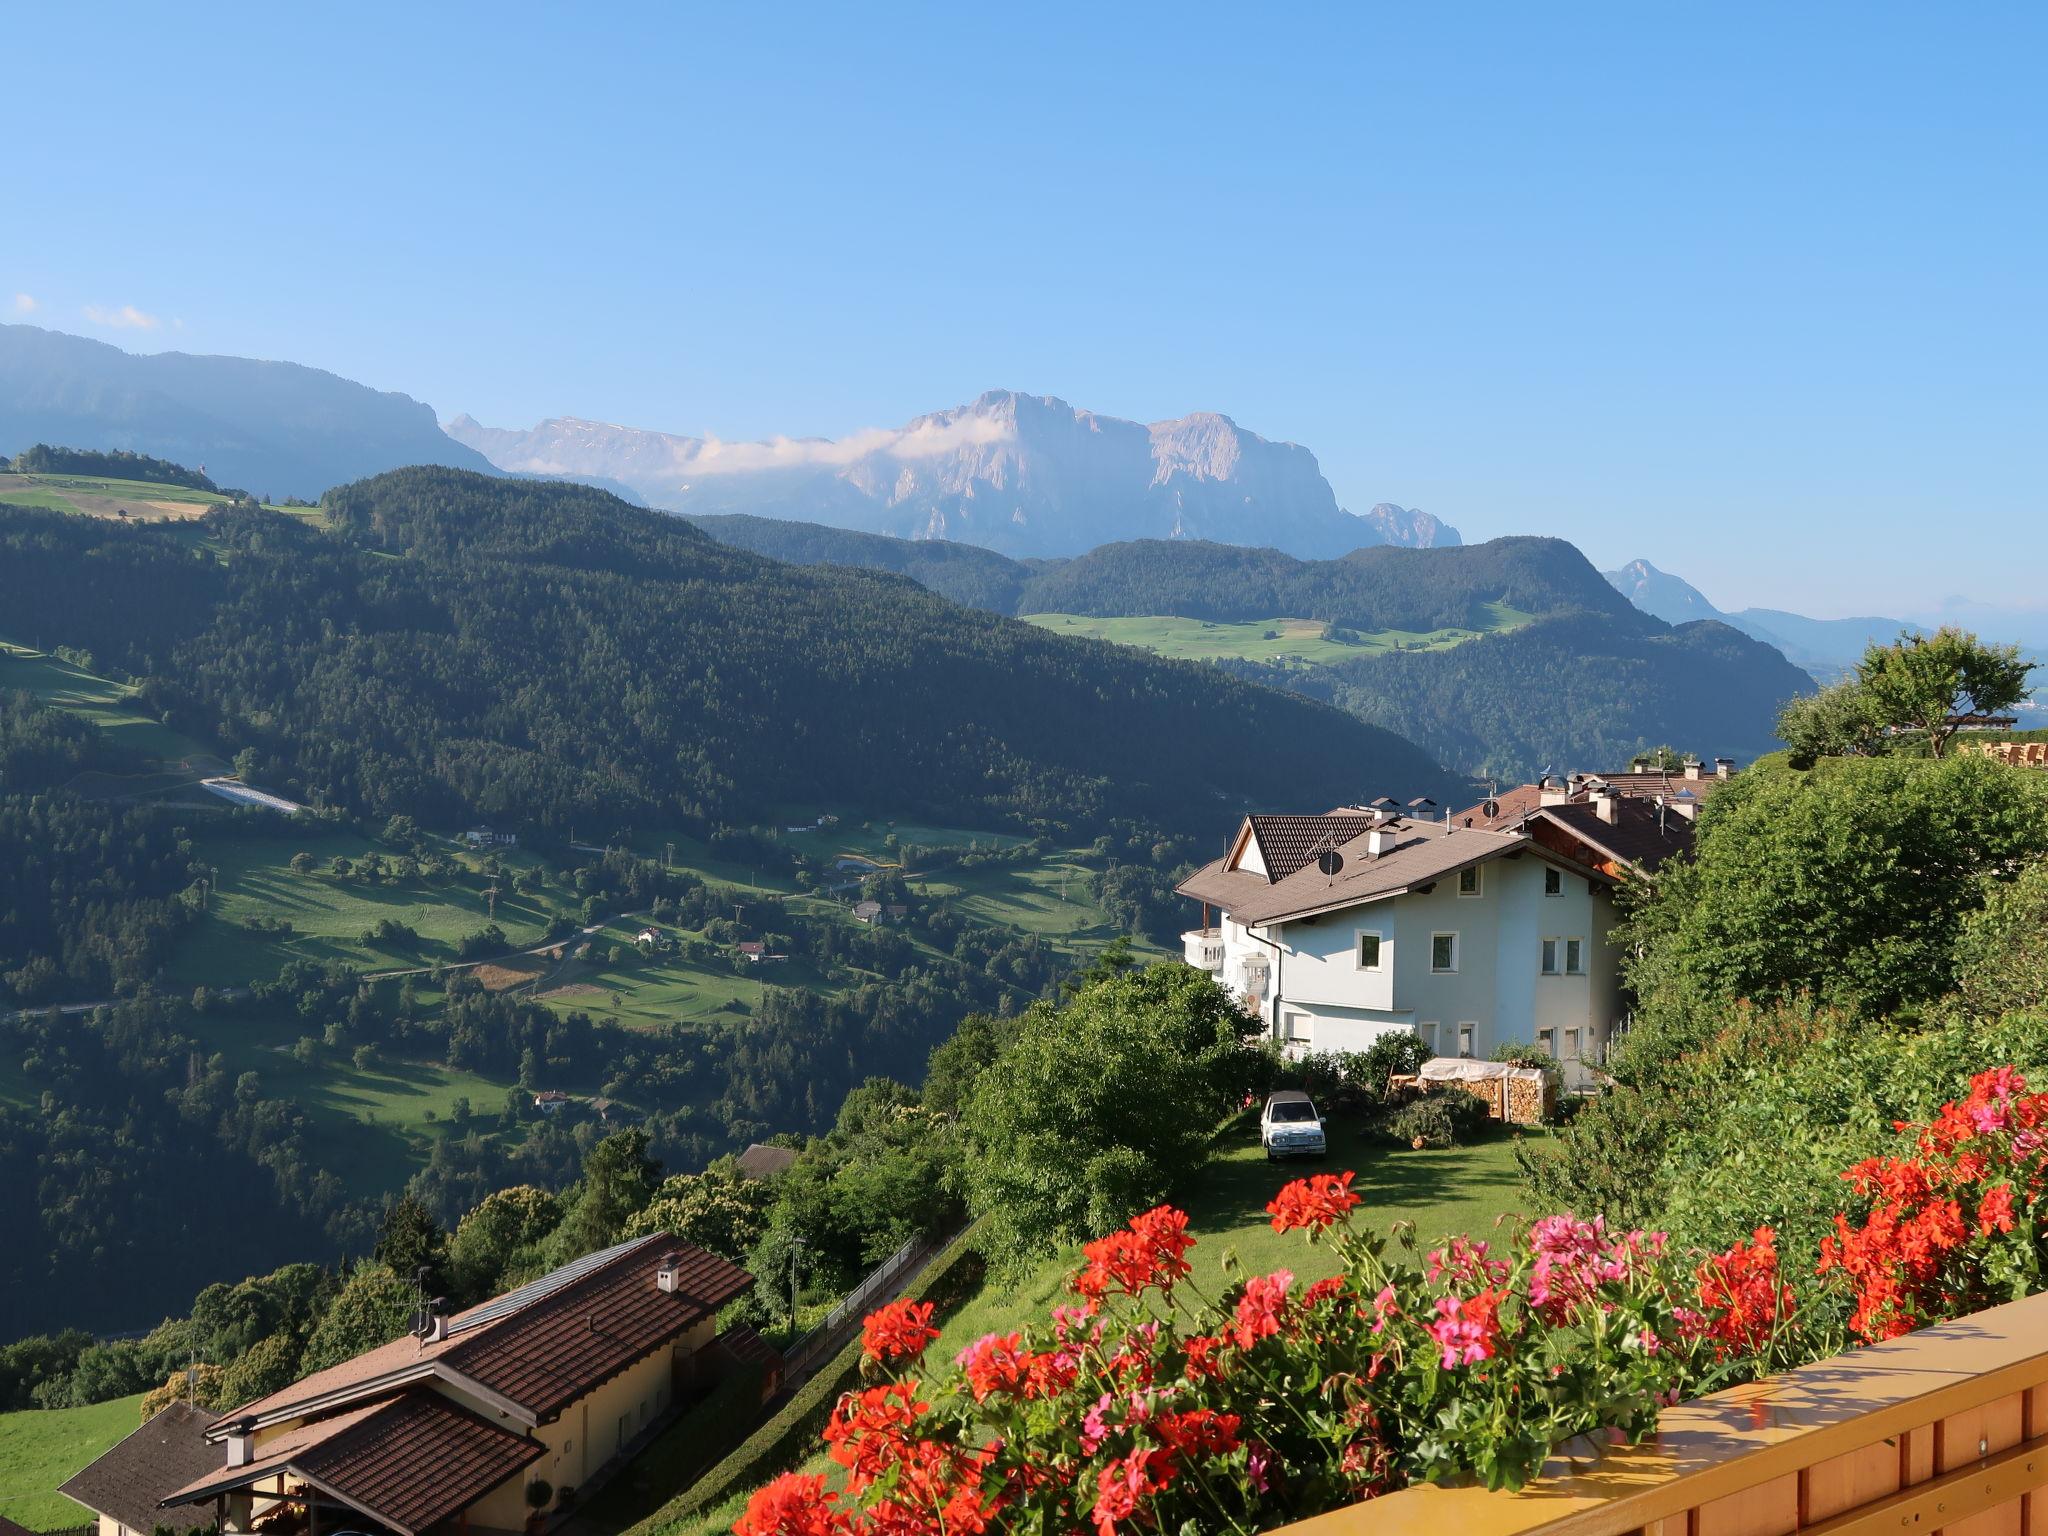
{"type": "Point", "coordinates": [539, 1347]}
{"type": "Point", "coordinates": [1423, 852]}
{"type": "Point", "coordinates": [406, 1461]}
{"type": "Point", "coordinates": [158, 1459]}
{"type": "Point", "coordinates": [1290, 843]}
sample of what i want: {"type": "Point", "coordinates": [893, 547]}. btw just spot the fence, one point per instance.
{"type": "Point", "coordinates": [824, 1340]}
{"type": "Point", "coordinates": [1945, 1430]}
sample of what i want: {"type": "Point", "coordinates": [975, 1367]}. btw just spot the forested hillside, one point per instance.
{"type": "Point", "coordinates": [457, 645]}
{"type": "Point", "coordinates": [1588, 684]}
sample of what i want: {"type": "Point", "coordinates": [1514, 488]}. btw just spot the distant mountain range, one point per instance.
{"type": "Point", "coordinates": [1028, 475]}
{"type": "Point", "coordinates": [273, 429]}
{"type": "Point", "coordinates": [1826, 648]}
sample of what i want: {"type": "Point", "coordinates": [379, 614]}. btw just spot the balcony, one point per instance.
{"type": "Point", "coordinates": [1203, 948]}
{"type": "Point", "coordinates": [1942, 1430]}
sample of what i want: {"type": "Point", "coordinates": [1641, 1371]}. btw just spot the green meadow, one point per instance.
{"type": "Point", "coordinates": [107, 704]}
{"type": "Point", "coordinates": [1271, 640]}
{"type": "Point", "coordinates": [41, 1447]}
{"type": "Point", "coordinates": [330, 913]}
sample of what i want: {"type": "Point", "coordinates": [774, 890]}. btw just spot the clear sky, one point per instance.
{"type": "Point", "coordinates": [1755, 292]}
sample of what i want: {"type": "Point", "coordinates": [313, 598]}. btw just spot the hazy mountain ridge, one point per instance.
{"type": "Point", "coordinates": [1825, 648]}
{"type": "Point", "coordinates": [1028, 475]}
{"type": "Point", "coordinates": [271, 428]}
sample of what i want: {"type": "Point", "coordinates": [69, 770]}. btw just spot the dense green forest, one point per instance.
{"type": "Point", "coordinates": [1588, 685]}
{"type": "Point", "coordinates": [459, 646]}
{"type": "Point", "coordinates": [120, 464]}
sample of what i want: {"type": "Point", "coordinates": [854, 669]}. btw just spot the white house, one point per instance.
{"type": "Point", "coordinates": [1338, 928]}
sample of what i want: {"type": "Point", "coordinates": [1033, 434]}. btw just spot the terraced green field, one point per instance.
{"type": "Point", "coordinates": [41, 1447]}
{"type": "Point", "coordinates": [96, 496]}
{"type": "Point", "coordinates": [1271, 640]}
{"type": "Point", "coordinates": [329, 914]}
{"type": "Point", "coordinates": [107, 704]}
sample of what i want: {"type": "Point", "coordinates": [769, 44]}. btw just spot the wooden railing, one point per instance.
{"type": "Point", "coordinates": [1945, 1430]}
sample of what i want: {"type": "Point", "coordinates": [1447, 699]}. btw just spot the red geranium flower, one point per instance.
{"type": "Point", "coordinates": [898, 1331]}
{"type": "Point", "coordinates": [793, 1505]}
{"type": "Point", "coordinates": [1313, 1203]}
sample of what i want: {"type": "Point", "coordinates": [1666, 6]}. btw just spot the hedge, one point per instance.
{"type": "Point", "coordinates": [788, 1437]}
{"type": "Point", "coordinates": [682, 1452]}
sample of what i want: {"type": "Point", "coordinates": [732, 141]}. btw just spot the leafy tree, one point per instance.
{"type": "Point", "coordinates": [206, 1386]}
{"type": "Point", "coordinates": [719, 1209]}
{"type": "Point", "coordinates": [302, 863]}
{"type": "Point", "coordinates": [375, 1306]}
{"type": "Point", "coordinates": [500, 1239]}
{"type": "Point", "coordinates": [2002, 958]}
{"type": "Point", "coordinates": [619, 1177]}
{"type": "Point", "coordinates": [1849, 881]}
{"type": "Point", "coordinates": [1839, 721]}
{"type": "Point", "coordinates": [1101, 1106]}
{"type": "Point", "coordinates": [1919, 683]}
{"type": "Point", "coordinates": [271, 1365]}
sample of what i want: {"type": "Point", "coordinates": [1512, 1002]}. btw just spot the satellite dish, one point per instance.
{"type": "Point", "coordinates": [1330, 861]}
{"type": "Point", "coordinates": [1490, 810]}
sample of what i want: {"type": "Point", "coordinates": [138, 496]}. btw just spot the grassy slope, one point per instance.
{"type": "Point", "coordinates": [40, 1448]}
{"type": "Point", "coordinates": [1277, 639]}
{"type": "Point", "coordinates": [107, 704]}
{"type": "Point", "coordinates": [329, 914]}
{"type": "Point", "coordinates": [373, 1127]}
{"type": "Point", "coordinates": [1465, 1190]}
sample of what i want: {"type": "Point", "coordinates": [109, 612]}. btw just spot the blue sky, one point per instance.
{"type": "Point", "coordinates": [1752, 291]}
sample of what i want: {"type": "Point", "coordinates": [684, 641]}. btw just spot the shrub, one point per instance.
{"type": "Point", "coordinates": [1435, 1117]}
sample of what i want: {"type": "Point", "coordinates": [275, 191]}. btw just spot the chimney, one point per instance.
{"type": "Point", "coordinates": [1692, 769]}
{"type": "Point", "coordinates": [1686, 804]}
{"type": "Point", "coordinates": [1378, 841]}
{"type": "Point", "coordinates": [670, 1276]}
{"type": "Point", "coordinates": [1553, 791]}
{"type": "Point", "coordinates": [1606, 804]}
{"type": "Point", "coordinates": [1723, 767]}
{"type": "Point", "coordinates": [241, 1442]}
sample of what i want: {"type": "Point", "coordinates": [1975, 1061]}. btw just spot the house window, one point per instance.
{"type": "Point", "coordinates": [1443, 951]}
{"type": "Point", "coordinates": [1369, 951]}
{"type": "Point", "coordinates": [1427, 1034]}
{"type": "Point", "coordinates": [1546, 1041]}
{"type": "Point", "coordinates": [1575, 957]}
{"type": "Point", "coordinates": [1553, 882]}
{"type": "Point", "coordinates": [1468, 881]}
{"type": "Point", "coordinates": [1550, 957]}
{"type": "Point", "coordinates": [1465, 1033]}
{"type": "Point", "coordinates": [1571, 1045]}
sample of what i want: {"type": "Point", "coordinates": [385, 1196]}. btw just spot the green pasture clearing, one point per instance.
{"type": "Point", "coordinates": [42, 1447]}
{"type": "Point", "coordinates": [107, 704]}
{"type": "Point", "coordinates": [98, 496]}
{"type": "Point", "coordinates": [647, 991]}
{"type": "Point", "coordinates": [373, 1126]}
{"type": "Point", "coordinates": [1053, 898]}
{"type": "Point", "coordinates": [1272, 640]}
{"type": "Point", "coordinates": [329, 914]}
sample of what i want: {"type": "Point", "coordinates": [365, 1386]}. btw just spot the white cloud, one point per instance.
{"type": "Point", "coordinates": [930, 437]}
{"type": "Point", "coordinates": [25, 304]}
{"type": "Point", "coordinates": [126, 318]}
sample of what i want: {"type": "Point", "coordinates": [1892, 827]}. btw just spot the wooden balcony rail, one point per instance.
{"type": "Point", "coordinates": [1945, 1430]}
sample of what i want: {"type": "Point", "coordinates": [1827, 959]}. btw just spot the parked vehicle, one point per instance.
{"type": "Point", "coordinates": [1291, 1126]}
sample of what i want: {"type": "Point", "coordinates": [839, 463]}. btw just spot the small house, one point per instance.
{"type": "Point", "coordinates": [761, 1161]}
{"type": "Point", "coordinates": [753, 952]}
{"type": "Point", "coordinates": [867, 911]}
{"type": "Point", "coordinates": [549, 1101]}
{"type": "Point", "coordinates": [124, 1486]}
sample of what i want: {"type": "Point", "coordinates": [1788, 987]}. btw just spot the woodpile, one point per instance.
{"type": "Point", "coordinates": [1529, 1099]}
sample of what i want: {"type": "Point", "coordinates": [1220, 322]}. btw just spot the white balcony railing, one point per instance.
{"type": "Point", "coordinates": [1203, 948]}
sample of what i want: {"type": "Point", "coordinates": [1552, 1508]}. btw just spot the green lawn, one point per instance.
{"type": "Point", "coordinates": [329, 914]}
{"type": "Point", "coordinates": [40, 1448]}
{"type": "Point", "coordinates": [107, 704]}
{"type": "Point", "coordinates": [645, 991]}
{"type": "Point", "coordinates": [373, 1127]}
{"type": "Point", "coordinates": [1276, 639]}
{"type": "Point", "coordinates": [1463, 1190]}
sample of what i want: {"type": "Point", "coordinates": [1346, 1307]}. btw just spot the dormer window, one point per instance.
{"type": "Point", "coordinates": [1468, 881]}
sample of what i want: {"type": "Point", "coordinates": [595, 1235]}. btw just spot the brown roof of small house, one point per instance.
{"type": "Point", "coordinates": [544, 1345]}
{"type": "Point", "coordinates": [1423, 853]}
{"type": "Point", "coordinates": [761, 1161]}
{"type": "Point", "coordinates": [406, 1461]}
{"type": "Point", "coordinates": [127, 1483]}
{"type": "Point", "coordinates": [1642, 834]}
{"type": "Point", "coordinates": [741, 1345]}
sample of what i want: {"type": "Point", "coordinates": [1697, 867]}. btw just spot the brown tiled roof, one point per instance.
{"type": "Point", "coordinates": [743, 1346]}
{"type": "Point", "coordinates": [545, 1345]}
{"type": "Point", "coordinates": [162, 1456]}
{"type": "Point", "coordinates": [761, 1161]}
{"type": "Point", "coordinates": [1289, 843]}
{"type": "Point", "coordinates": [1639, 834]}
{"type": "Point", "coordinates": [1509, 807]}
{"type": "Point", "coordinates": [1423, 852]}
{"type": "Point", "coordinates": [406, 1461]}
